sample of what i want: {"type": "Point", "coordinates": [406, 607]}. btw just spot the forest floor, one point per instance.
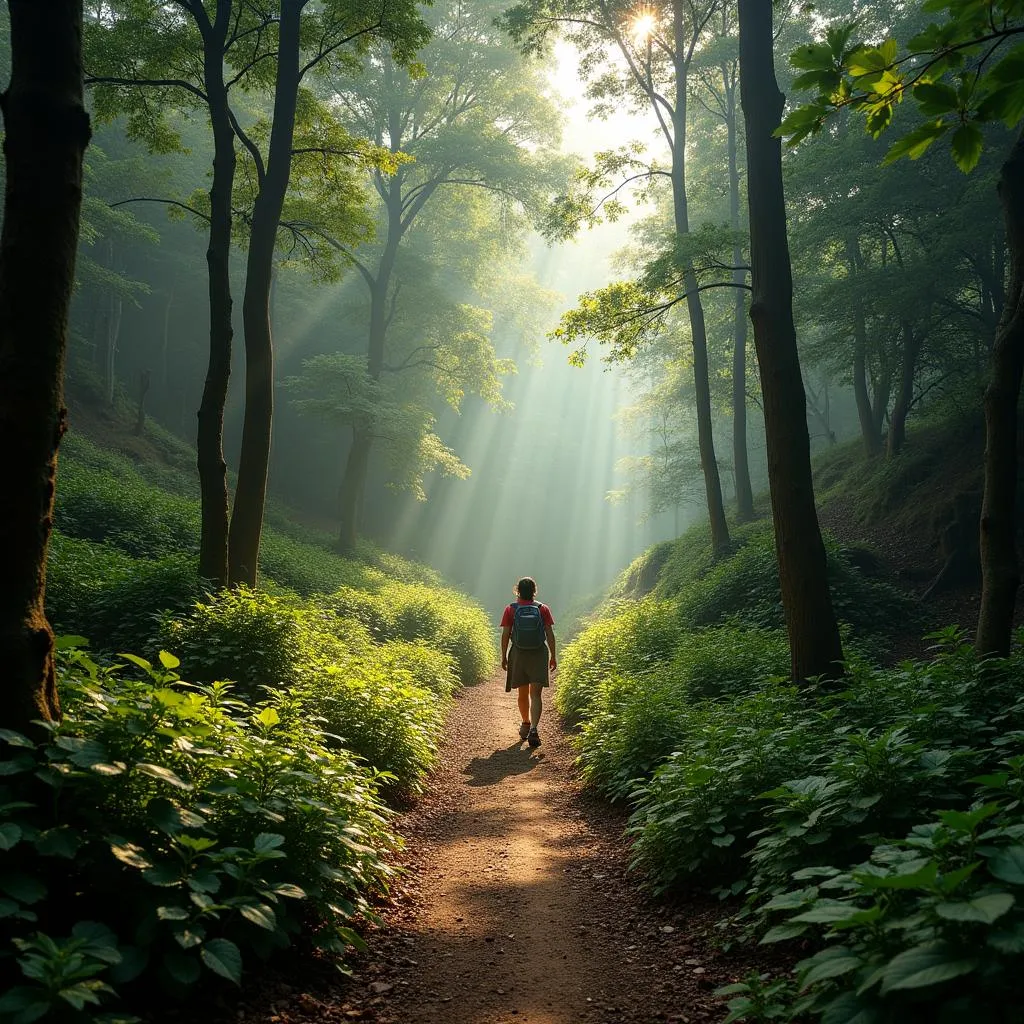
{"type": "Point", "coordinates": [516, 905]}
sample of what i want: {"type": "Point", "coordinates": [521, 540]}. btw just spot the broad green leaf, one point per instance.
{"type": "Point", "coordinates": [184, 969]}
{"type": "Point", "coordinates": [130, 854]}
{"type": "Point", "coordinates": [268, 718]}
{"type": "Point", "coordinates": [967, 144]}
{"type": "Point", "coordinates": [985, 909]}
{"type": "Point", "coordinates": [169, 661]}
{"type": "Point", "coordinates": [267, 841]}
{"type": "Point", "coordinates": [916, 143]}
{"type": "Point", "coordinates": [782, 932]}
{"type": "Point", "coordinates": [10, 835]}
{"type": "Point", "coordinates": [936, 98]}
{"type": "Point", "coordinates": [830, 967]}
{"type": "Point", "coordinates": [62, 841]}
{"type": "Point", "coordinates": [927, 964]}
{"type": "Point", "coordinates": [66, 643]}
{"type": "Point", "coordinates": [15, 739]}
{"type": "Point", "coordinates": [172, 913]}
{"type": "Point", "coordinates": [1008, 864]}
{"type": "Point", "coordinates": [224, 958]}
{"type": "Point", "coordinates": [22, 887]}
{"type": "Point", "coordinates": [260, 915]}
{"type": "Point", "coordinates": [158, 771]}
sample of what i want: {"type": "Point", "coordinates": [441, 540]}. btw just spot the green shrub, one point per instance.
{"type": "Point", "coordinates": [245, 636]}
{"type": "Point", "coordinates": [931, 928]}
{"type": "Point", "coordinates": [439, 618]}
{"type": "Point", "coordinates": [632, 638]}
{"type": "Point", "coordinates": [385, 701]}
{"type": "Point", "coordinates": [97, 590]}
{"type": "Point", "coordinates": [226, 831]}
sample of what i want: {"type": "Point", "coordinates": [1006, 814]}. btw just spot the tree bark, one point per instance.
{"type": "Point", "coordinates": [741, 462]}
{"type": "Point", "coordinates": [815, 646]}
{"type": "Point", "coordinates": [251, 492]}
{"type": "Point", "coordinates": [46, 132]}
{"type": "Point", "coordinates": [694, 306]}
{"type": "Point", "coordinates": [352, 490]}
{"type": "Point", "coordinates": [912, 341]}
{"type": "Point", "coordinates": [213, 472]}
{"type": "Point", "coordinates": [140, 412]}
{"type": "Point", "coordinates": [1000, 572]}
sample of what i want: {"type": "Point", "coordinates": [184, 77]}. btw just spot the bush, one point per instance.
{"type": "Point", "coordinates": [226, 831]}
{"type": "Point", "coordinates": [385, 701]}
{"type": "Point", "coordinates": [631, 639]}
{"type": "Point", "coordinates": [96, 590]}
{"type": "Point", "coordinates": [442, 619]}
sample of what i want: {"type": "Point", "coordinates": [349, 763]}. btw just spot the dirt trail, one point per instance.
{"type": "Point", "coordinates": [516, 906]}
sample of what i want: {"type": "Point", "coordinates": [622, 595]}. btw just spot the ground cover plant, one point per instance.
{"type": "Point", "coordinates": [879, 822]}
{"type": "Point", "coordinates": [227, 828]}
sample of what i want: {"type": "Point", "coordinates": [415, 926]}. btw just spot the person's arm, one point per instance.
{"type": "Point", "coordinates": [506, 635]}
{"type": "Point", "coordinates": [553, 663]}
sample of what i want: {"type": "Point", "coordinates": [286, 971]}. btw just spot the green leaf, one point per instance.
{"type": "Point", "coordinates": [10, 835]}
{"type": "Point", "coordinates": [24, 1004]}
{"type": "Point", "coordinates": [828, 913]}
{"type": "Point", "coordinates": [1008, 939]}
{"type": "Point", "coordinates": [782, 932]}
{"type": "Point", "coordinates": [927, 964]}
{"type": "Point", "coordinates": [839, 962]}
{"type": "Point", "coordinates": [62, 841]}
{"type": "Point", "coordinates": [130, 854]}
{"type": "Point", "coordinates": [268, 718]}
{"type": "Point", "coordinates": [260, 915]}
{"type": "Point", "coordinates": [182, 968]}
{"type": "Point", "coordinates": [65, 643]}
{"type": "Point", "coordinates": [16, 739]}
{"type": "Point", "coordinates": [138, 662]}
{"type": "Point", "coordinates": [172, 913]}
{"type": "Point", "coordinates": [985, 909]}
{"type": "Point", "coordinates": [967, 143]}
{"type": "Point", "coordinates": [267, 841]}
{"type": "Point", "coordinates": [916, 143]}
{"type": "Point", "coordinates": [24, 888]}
{"type": "Point", "coordinates": [224, 958]}
{"type": "Point", "coordinates": [1008, 865]}
{"type": "Point", "coordinates": [158, 771]}
{"type": "Point", "coordinates": [169, 661]}
{"type": "Point", "coordinates": [936, 98]}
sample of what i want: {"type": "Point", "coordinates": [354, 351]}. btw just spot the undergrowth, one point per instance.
{"type": "Point", "coordinates": [881, 825]}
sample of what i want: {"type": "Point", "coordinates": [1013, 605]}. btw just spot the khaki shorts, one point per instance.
{"type": "Point", "coordinates": [526, 667]}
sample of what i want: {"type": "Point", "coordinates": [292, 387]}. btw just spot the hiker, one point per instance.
{"type": "Point", "coordinates": [527, 624]}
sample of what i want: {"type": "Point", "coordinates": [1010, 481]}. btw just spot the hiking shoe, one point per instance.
{"type": "Point", "coordinates": [533, 738]}
{"type": "Point", "coordinates": [524, 730]}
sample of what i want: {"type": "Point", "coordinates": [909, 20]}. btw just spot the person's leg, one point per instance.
{"type": "Point", "coordinates": [523, 697]}
{"type": "Point", "coordinates": [536, 705]}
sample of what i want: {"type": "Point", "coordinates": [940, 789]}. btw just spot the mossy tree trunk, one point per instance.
{"type": "Point", "coordinates": [1000, 572]}
{"type": "Point", "coordinates": [46, 132]}
{"type": "Point", "coordinates": [815, 646]}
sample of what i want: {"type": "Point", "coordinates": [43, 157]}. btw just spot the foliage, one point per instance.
{"type": "Point", "coordinates": [438, 618]}
{"type": "Point", "coordinates": [962, 72]}
{"type": "Point", "coordinates": [227, 831]}
{"type": "Point", "coordinates": [385, 702]}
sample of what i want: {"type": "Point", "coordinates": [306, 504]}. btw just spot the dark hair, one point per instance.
{"type": "Point", "coordinates": [526, 588]}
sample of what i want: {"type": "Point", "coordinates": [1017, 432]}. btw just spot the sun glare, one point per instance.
{"type": "Point", "coordinates": [642, 27]}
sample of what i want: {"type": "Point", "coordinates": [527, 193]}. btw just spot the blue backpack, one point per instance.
{"type": "Point", "coordinates": [528, 632]}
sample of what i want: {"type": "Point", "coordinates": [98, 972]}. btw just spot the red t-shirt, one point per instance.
{"type": "Point", "coordinates": [545, 614]}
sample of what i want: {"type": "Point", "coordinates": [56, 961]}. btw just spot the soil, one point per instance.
{"type": "Point", "coordinates": [516, 904]}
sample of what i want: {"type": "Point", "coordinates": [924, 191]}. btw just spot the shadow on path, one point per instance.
{"type": "Point", "coordinates": [502, 764]}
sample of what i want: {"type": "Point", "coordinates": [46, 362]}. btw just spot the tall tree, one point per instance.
{"type": "Point", "coordinates": [656, 48]}
{"type": "Point", "coordinates": [46, 132]}
{"type": "Point", "coordinates": [475, 121]}
{"type": "Point", "coordinates": [971, 47]}
{"type": "Point", "coordinates": [142, 61]}
{"type": "Point", "coordinates": [815, 645]}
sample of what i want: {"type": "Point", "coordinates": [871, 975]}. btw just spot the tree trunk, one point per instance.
{"type": "Point", "coordinates": [46, 132]}
{"type": "Point", "coordinates": [744, 491]}
{"type": "Point", "coordinates": [869, 434]}
{"type": "Point", "coordinates": [251, 491]}
{"type": "Point", "coordinates": [213, 472]}
{"type": "Point", "coordinates": [912, 341]}
{"type": "Point", "coordinates": [1000, 572]}
{"type": "Point", "coordinates": [815, 646]}
{"type": "Point", "coordinates": [352, 490]}
{"type": "Point", "coordinates": [115, 309]}
{"type": "Point", "coordinates": [694, 306]}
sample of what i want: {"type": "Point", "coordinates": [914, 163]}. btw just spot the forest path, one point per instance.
{"type": "Point", "coordinates": [516, 906]}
